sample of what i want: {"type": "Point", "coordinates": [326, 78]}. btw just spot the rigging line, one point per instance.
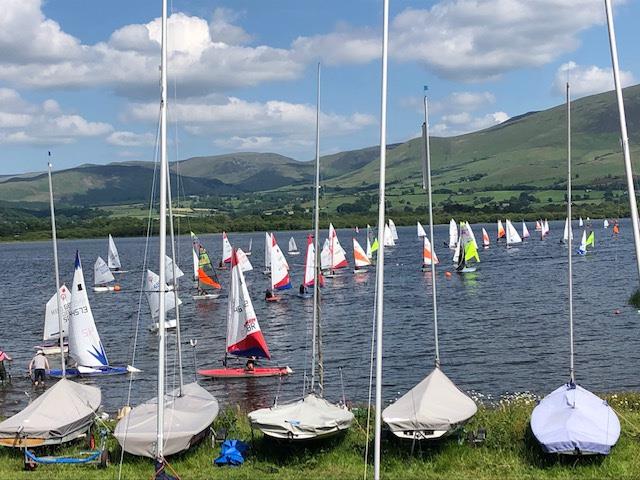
{"type": "Point", "coordinates": [142, 282]}
{"type": "Point", "coordinates": [371, 358]}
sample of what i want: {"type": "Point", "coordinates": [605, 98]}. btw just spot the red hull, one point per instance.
{"type": "Point", "coordinates": [244, 373]}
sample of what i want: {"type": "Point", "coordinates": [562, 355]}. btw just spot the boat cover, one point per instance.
{"type": "Point", "coordinates": [573, 420]}
{"type": "Point", "coordinates": [308, 418]}
{"type": "Point", "coordinates": [184, 418]}
{"type": "Point", "coordinates": [434, 404]}
{"type": "Point", "coordinates": [61, 411]}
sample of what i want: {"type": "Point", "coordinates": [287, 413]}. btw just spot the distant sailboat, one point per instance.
{"type": "Point", "coordinates": [565, 234]}
{"type": "Point", "coordinates": [616, 228]}
{"type": "Point", "coordinates": [279, 272]}
{"type": "Point", "coordinates": [388, 237]}
{"type": "Point", "coordinates": [546, 229]}
{"type": "Point", "coordinates": [152, 290]}
{"type": "Point", "coordinates": [525, 231]}
{"type": "Point", "coordinates": [421, 232]}
{"type": "Point", "coordinates": [337, 255]}
{"type": "Point", "coordinates": [485, 239]}
{"type": "Point", "coordinates": [538, 226]}
{"type": "Point", "coordinates": [392, 227]}
{"type": "Point", "coordinates": [512, 234]}
{"type": "Point", "coordinates": [102, 277]}
{"type": "Point", "coordinates": [606, 223]}
{"type": "Point", "coordinates": [453, 234]}
{"type": "Point", "coordinates": [208, 284]}
{"type": "Point", "coordinates": [267, 253]}
{"type": "Point", "coordinates": [467, 255]}
{"type": "Point", "coordinates": [571, 420]}
{"type": "Point", "coordinates": [428, 255]}
{"type": "Point", "coordinates": [244, 336]}
{"type": "Point", "coordinates": [309, 279]}
{"type": "Point", "coordinates": [248, 252]}
{"type": "Point", "coordinates": [226, 250]}
{"type": "Point", "coordinates": [361, 261]}
{"type": "Point", "coordinates": [113, 258]}
{"type": "Point", "coordinates": [293, 248]}
{"type": "Point", "coordinates": [501, 231]}
{"type": "Point", "coordinates": [580, 222]}
{"type": "Point", "coordinates": [195, 254]}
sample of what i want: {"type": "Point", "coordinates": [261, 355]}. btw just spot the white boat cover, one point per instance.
{"type": "Point", "coordinates": [573, 420]}
{"type": "Point", "coordinates": [306, 419]}
{"type": "Point", "coordinates": [434, 404]}
{"type": "Point", "coordinates": [64, 409]}
{"type": "Point", "coordinates": [184, 418]}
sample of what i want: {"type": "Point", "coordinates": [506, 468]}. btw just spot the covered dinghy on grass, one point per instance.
{"type": "Point", "coordinates": [186, 419]}
{"type": "Point", "coordinates": [62, 413]}
{"type": "Point", "coordinates": [431, 409]}
{"type": "Point", "coordinates": [572, 420]}
{"type": "Point", "coordinates": [310, 418]}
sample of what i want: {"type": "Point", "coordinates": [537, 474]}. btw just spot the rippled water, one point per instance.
{"type": "Point", "coordinates": [502, 329]}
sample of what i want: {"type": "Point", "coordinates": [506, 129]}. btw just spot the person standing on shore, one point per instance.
{"type": "Point", "coordinates": [39, 365]}
{"type": "Point", "coordinates": [3, 372]}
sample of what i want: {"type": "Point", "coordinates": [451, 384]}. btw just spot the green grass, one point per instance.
{"type": "Point", "coordinates": [509, 452]}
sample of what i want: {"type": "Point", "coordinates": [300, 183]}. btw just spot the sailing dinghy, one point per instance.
{"type": "Point", "coordinates": [467, 255]}
{"type": "Point", "coordinates": [485, 239]}
{"type": "Point", "coordinates": [428, 255]}
{"type": "Point", "coordinates": [435, 407]}
{"type": "Point", "coordinates": [571, 420]}
{"type": "Point", "coordinates": [501, 231]}
{"type": "Point", "coordinates": [392, 227]}
{"type": "Point", "coordinates": [453, 234]}
{"type": "Point", "coordinates": [226, 252]}
{"type": "Point", "coordinates": [208, 284]}
{"type": "Point", "coordinates": [244, 337]}
{"type": "Point", "coordinates": [279, 273]}
{"type": "Point", "coordinates": [113, 258]}
{"type": "Point", "coordinates": [248, 252]}
{"type": "Point", "coordinates": [85, 346]}
{"type": "Point", "coordinates": [102, 277]}
{"type": "Point", "coordinates": [565, 234]}
{"type": "Point", "coordinates": [334, 257]}
{"type": "Point", "coordinates": [421, 232]}
{"type": "Point", "coordinates": [311, 417]}
{"type": "Point", "coordinates": [513, 237]}
{"type": "Point", "coordinates": [293, 248]}
{"type": "Point", "coordinates": [267, 253]}
{"type": "Point", "coordinates": [152, 290]}
{"type": "Point", "coordinates": [525, 231]}
{"type": "Point", "coordinates": [51, 336]}
{"type": "Point", "coordinates": [309, 271]}
{"type": "Point", "coordinates": [388, 237]}
{"type": "Point", "coordinates": [606, 223]}
{"type": "Point", "coordinates": [360, 259]}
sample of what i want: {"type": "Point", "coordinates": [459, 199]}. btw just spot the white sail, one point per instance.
{"type": "Point", "coordinates": [226, 248]}
{"type": "Point", "coordinates": [196, 263]}
{"type": "Point", "coordinates": [485, 238]}
{"type": "Point", "coordinates": [337, 253]}
{"type": "Point", "coordinates": [388, 237]}
{"type": "Point", "coordinates": [325, 256]}
{"type": "Point", "coordinates": [359, 255]}
{"type": "Point", "coordinates": [279, 269]}
{"type": "Point", "coordinates": [292, 245]}
{"type": "Point", "coordinates": [267, 250]}
{"type": "Point", "coordinates": [243, 261]}
{"type": "Point", "coordinates": [421, 232]}
{"type": "Point", "coordinates": [512, 234]}
{"type": "Point", "coordinates": [456, 253]}
{"type": "Point", "coordinates": [565, 235]}
{"type": "Point", "coordinates": [113, 259]}
{"type": "Point", "coordinates": [168, 270]}
{"type": "Point", "coordinates": [152, 289]}
{"type": "Point", "coordinates": [369, 252]}
{"type": "Point", "coordinates": [453, 234]}
{"type": "Point", "coordinates": [278, 252]}
{"type": "Point", "coordinates": [101, 273]}
{"type": "Point", "coordinates": [525, 231]}
{"type": "Point", "coordinates": [428, 253]}
{"type": "Point", "coordinates": [582, 249]}
{"type": "Point", "coordinates": [580, 222]}
{"type": "Point", "coordinates": [394, 232]}
{"type": "Point", "coordinates": [309, 263]}
{"type": "Point", "coordinates": [467, 228]}
{"type": "Point", "coordinates": [84, 342]}
{"type": "Point", "coordinates": [606, 223]}
{"type": "Point", "coordinates": [51, 323]}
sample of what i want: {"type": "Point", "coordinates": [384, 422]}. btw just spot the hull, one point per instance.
{"type": "Point", "coordinates": [360, 270]}
{"type": "Point", "coordinates": [467, 270]}
{"type": "Point", "coordinates": [89, 372]}
{"type": "Point", "coordinates": [294, 253]}
{"type": "Point", "coordinates": [305, 295]}
{"type": "Point", "coordinates": [244, 373]}
{"type": "Point", "coordinates": [105, 289]}
{"type": "Point", "coordinates": [115, 272]}
{"type": "Point", "coordinates": [52, 348]}
{"type": "Point", "coordinates": [273, 299]}
{"type": "Point", "coordinates": [208, 296]}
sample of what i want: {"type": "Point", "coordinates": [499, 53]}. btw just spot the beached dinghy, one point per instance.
{"type": "Point", "coordinates": [571, 420]}
{"type": "Point", "coordinates": [102, 277]}
{"type": "Point", "coordinates": [85, 346]}
{"type": "Point", "coordinates": [244, 337]}
{"type": "Point", "coordinates": [113, 258]}
{"type": "Point", "coordinates": [435, 407]}
{"type": "Point", "coordinates": [312, 417]}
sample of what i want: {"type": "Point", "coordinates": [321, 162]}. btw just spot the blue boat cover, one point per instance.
{"type": "Point", "coordinates": [232, 453]}
{"type": "Point", "coordinates": [575, 421]}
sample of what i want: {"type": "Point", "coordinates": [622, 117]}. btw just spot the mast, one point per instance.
{"type": "Point", "coordinates": [569, 239]}
{"type": "Point", "coordinates": [623, 131]}
{"type": "Point", "coordinates": [427, 185]}
{"type": "Point", "coordinates": [163, 236]}
{"type": "Point", "coordinates": [381, 223]}
{"type": "Point", "coordinates": [57, 270]}
{"type": "Point", "coordinates": [316, 348]}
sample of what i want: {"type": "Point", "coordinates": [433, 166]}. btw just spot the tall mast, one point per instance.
{"type": "Point", "coordinates": [623, 132]}
{"type": "Point", "coordinates": [163, 236]}
{"type": "Point", "coordinates": [426, 183]}
{"type": "Point", "coordinates": [316, 348]}
{"type": "Point", "coordinates": [380, 262]}
{"type": "Point", "coordinates": [57, 270]}
{"type": "Point", "coordinates": [569, 239]}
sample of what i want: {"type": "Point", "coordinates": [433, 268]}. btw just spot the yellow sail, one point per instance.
{"type": "Point", "coordinates": [471, 251]}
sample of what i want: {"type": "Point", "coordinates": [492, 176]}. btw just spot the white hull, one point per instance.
{"type": "Point", "coordinates": [423, 435]}
{"type": "Point", "coordinates": [104, 289]}
{"type": "Point", "coordinates": [360, 270]}
{"type": "Point", "coordinates": [467, 270]}
{"type": "Point", "coordinates": [208, 296]}
{"type": "Point", "coordinates": [168, 325]}
{"type": "Point", "coordinates": [119, 271]}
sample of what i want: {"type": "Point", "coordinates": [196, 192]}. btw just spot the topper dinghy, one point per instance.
{"type": "Point", "coordinates": [293, 248]}
{"type": "Point", "coordinates": [102, 277]}
{"type": "Point", "coordinates": [113, 258]}
{"type": "Point", "coordinates": [360, 259]}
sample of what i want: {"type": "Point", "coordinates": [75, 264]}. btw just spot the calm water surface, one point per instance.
{"type": "Point", "coordinates": [502, 329]}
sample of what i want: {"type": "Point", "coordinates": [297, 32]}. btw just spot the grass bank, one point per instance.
{"type": "Point", "coordinates": [509, 452]}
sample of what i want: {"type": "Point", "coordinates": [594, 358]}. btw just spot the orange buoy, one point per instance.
{"type": "Point", "coordinates": [116, 288]}
{"type": "Point", "coordinates": [447, 274]}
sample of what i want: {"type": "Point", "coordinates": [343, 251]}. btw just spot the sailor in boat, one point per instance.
{"type": "Point", "coordinates": [250, 365]}
{"type": "Point", "coordinates": [3, 372]}
{"type": "Point", "coordinates": [268, 294]}
{"type": "Point", "coordinates": [303, 290]}
{"type": "Point", "coordinates": [38, 365]}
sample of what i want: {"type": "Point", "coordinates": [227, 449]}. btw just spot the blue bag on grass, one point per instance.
{"type": "Point", "coordinates": [232, 453]}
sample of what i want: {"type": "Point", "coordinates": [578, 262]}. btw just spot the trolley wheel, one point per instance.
{"type": "Point", "coordinates": [105, 459]}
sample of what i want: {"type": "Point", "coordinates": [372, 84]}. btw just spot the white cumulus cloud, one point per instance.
{"type": "Point", "coordinates": [587, 79]}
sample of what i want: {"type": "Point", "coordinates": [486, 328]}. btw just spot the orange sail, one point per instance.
{"type": "Point", "coordinates": [501, 231]}
{"type": "Point", "coordinates": [428, 254]}
{"type": "Point", "coordinates": [616, 229]}
{"type": "Point", "coordinates": [205, 279]}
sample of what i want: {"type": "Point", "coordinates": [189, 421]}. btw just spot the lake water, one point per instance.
{"type": "Point", "coordinates": [502, 329]}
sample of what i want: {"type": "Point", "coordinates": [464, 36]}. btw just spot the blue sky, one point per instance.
{"type": "Point", "coordinates": [80, 77]}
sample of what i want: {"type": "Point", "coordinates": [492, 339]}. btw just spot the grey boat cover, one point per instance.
{"type": "Point", "coordinates": [185, 417]}
{"type": "Point", "coordinates": [573, 420]}
{"type": "Point", "coordinates": [55, 416]}
{"type": "Point", "coordinates": [434, 404]}
{"type": "Point", "coordinates": [305, 419]}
